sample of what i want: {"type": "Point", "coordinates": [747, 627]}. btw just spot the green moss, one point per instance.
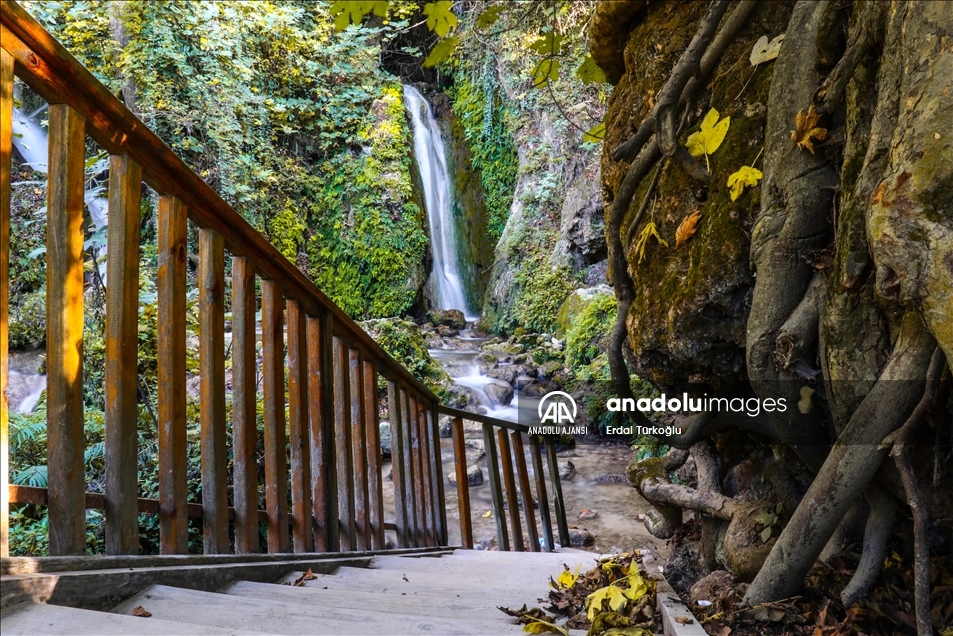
{"type": "Point", "coordinates": [588, 335]}
{"type": "Point", "coordinates": [403, 340]}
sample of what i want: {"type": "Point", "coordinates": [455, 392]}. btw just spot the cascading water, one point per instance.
{"type": "Point", "coordinates": [432, 164]}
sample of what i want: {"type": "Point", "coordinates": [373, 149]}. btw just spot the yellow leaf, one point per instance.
{"type": "Point", "coordinates": [547, 70]}
{"type": "Point", "coordinates": [764, 51]}
{"type": "Point", "coordinates": [807, 128]}
{"type": "Point", "coordinates": [649, 231]}
{"type": "Point", "coordinates": [626, 631]}
{"type": "Point", "coordinates": [637, 587]}
{"type": "Point", "coordinates": [746, 176]}
{"type": "Point", "coordinates": [712, 133]}
{"type": "Point", "coordinates": [542, 627]}
{"type": "Point", "coordinates": [610, 593]}
{"type": "Point", "coordinates": [687, 228]}
{"type": "Point", "coordinates": [595, 134]}
{"type": "Point", "coordinates": [487, 514]}
{"type": "Point", "coordinates": [567, 579]}
{"type": "Point", "coordinates": [441, 51]}
{"type": "Point", "coordinates": [489, 17]}
{"type": "Point", "coordinates": [440, 17]}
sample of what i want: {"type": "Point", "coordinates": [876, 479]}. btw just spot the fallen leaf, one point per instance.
{"type": "Point", "coordinates": [764, 51]}
{"type": "Point", "coordinates": [542, 627]}
{"type": "Point", "coordinates": [139, 610]}
{"type": "Point", "coordinates": [745, 176]}
{"type": "Point", "coordinates": [766, 534]}
{"type": "Point", "coordinates": [610, 593]}
{"type": "Point", "coordinates": [649, 231]}
{"type": "Point", "coordinates": [709, 138]}
{"type": "Point", "coordinates": [683, 620]}
{"type": "Point", "coordinates": [567, 579]}
{"type": "Point", "coordinates": [807, 128]}
{"type": "Point", "coordinates": [487, 513]}
{"type": "Point", "coordinates": [307, 576]}
{"type": "Point", "coordinates": [687, 228]}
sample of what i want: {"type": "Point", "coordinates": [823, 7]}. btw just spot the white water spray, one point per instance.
{"type": "Point", "coordinates": [432, 164]}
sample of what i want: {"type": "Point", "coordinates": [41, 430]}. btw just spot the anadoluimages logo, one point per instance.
{"type": "Point", "coordinates": [557, 416]}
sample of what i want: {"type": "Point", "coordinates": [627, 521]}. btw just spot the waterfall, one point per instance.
{"type": "Point", "coordinates": [432, 165]}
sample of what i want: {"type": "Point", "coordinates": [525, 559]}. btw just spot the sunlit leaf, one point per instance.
{"type": "Point", "coordinates": [490, 16]}
{"type": "Point", "coordinates": [610, 593]}
{"type": "Point", "coordinates": [745, 176]}
{"type": "Point", "coordinates": [440, 17]}
{"type": "Point", "coordinates": [589, 72]}
{"type": "Point", "coordinates": [807, 128]}
{"type": "Point", "coordinates": [595, 134]}
{"type": "Point", "coordinates": [546, 71]}
{"type": "Point", "coordinates": [709, 138]}
{"type": "Point", "coordinates": [441, 51]}
{"type": "Point", "coordinates": [567, 579]}
{"type": "Point", "coordinates": [548, 44]}
{"type": "Point", "coordinates": [687, 228]}
{"type": "Point", "coordinates": [637, 586]}
{"type": "Point", "coordinates": [764, 51]}
{"type": "Point", "coordinates": [348, 12]}
{"type": "Point", "coordinates": [647, 232]}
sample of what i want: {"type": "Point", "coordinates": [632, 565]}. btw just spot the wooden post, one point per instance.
{"type": "Point", "coordinates": [64, 331]}
{"type": "Point", "coordinates": [173, 496]}
{"type": "Point", "coordinates": [244, 407]}
{"type": "Point", "coordinates": [302, 528]}
{"type": "Point", "coordinates": [463, 486]}
{"type": "Point", "coordinates": [358, 449]}
{"type": "Point", "coordinates": [558, 502]}
{"type": "Point", "coordinates": [375, 496]}
{"type": "Point", "coordinates": [544, 517]}
{"type": "Point", "coordinates": [426, 483]}
{"type": "Point", "coordinates": [6, 144]}
{"type": "Point", "coordinates": [441, 497]}
{"type": "Point", "coordinates": [496, 492]}
{"type": "Point", "coordinates": [321, 429]}
{"type": "Point", "coordinates": [273, 384]}
{"type": "Point", "coordinates": [211, 281]}
{"type": "Point", "coordinates": [525, 490]}
{"type": "Point", "coordinates": [342, 444]}
{"type": "Point", "coordinates": [122, 375]}
{"type": "Point", "coordinates": [512, 501]}
{"type": "Point", "coordinates": [422, 480]}
{"type": "Point", "coordinates": [410, 475]}
{"type": "Point", "coordinates": [402, 512]}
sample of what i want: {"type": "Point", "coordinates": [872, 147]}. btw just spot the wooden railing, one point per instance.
{"type": "Point", "coordinates": [333, 365]}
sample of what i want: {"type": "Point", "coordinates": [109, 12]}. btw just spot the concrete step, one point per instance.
{"type": "Point", "coordinates": [472, 606]}
{"type": "Point", "coordinates": [34, 619]}
{"type": "Point", "coordinates": [279, 617]}
{"type": "Point", "coordinates": [497, 568]}
{"type": "Point", "coordinates": [459, 579]}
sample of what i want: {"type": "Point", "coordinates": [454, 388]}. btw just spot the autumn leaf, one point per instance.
{"type": "Point", "coordinates": [595, 134]}
{"type": "Point", "coordinates": [307, 576]}
{"type": "Point", "coordinates": [709, 138]}
{"type": "Point", "coordinates": [490, 16]}
{"type": "Point", "coordinates": [764, 51]}
{"type": "Point", "coordinates": [610, 593]}
{"type": "Point", "coordinates": [627, 631]}
{"type": "Point", "coordinates": [567, 579]}
{"type": "Point", "coordinates": [648, 231]}
{"type": "Point", "coordinates": [542, 627]}
{"type": "Point", "coordinates": [745, 176]}
{"type": "Point", "coordinates": [807, 128]}
{"type": "Point", "coordinates": [440, 18]}
{"type": "Point", "coordinates": [441, 51]}
{"type": "Point", "coordinates": [547, 70]}
{"type": "Point", "coordinates": [766, 534]}
{"type": "Point", "coordinates": [683, 620]}
{"type": "Point", "coordinates": [589, 72]}
{"type": "Point", "coordinates": [687, 228]}
{"type": "Point", "coordinates": [139, 610]}
{"type": "Point", "coordinates": [637, 586]}
{"type": "Point", "coordinates": [348, 12]}
{"type": "Point", "coordinates": [487, 514]}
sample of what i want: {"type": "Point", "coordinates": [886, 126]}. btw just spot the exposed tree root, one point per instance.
{"type": "Point", "coordinates": [799, 333]}
{"type": "Point", "coordinates": [921, 568]}
{"type": "Point", "coordinates": [880, 525]}
{"type": "Point", "coordinates": [862, 39]}
{"type": "Point", "coordinates": [706, 463]}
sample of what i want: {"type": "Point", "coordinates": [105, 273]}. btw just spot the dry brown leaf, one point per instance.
{"type": "Point", "coordinates": [307, 576]}
{"type": "Point", "coordinates": [139, 610]}
{"type": "Point", "coordinates": [807, 128]}
{"type": "Point", "coordinates": [683, 620]}
{"type": "Point", "coordinates": [687, 228]}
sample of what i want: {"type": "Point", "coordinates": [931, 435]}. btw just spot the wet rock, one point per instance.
{"type": "Point", "coordinates": [485, 362]}
{"type": "Point", "coordinates": [459, 397]}
{"type": "Point", "coordinates": [474, 476]}
{"type": "Point", "coordinates": [520, 383]}
{"type": "Point", "coordinates": [550, 368]}
{"type": "Point", "coordinates": [499, 393]}
{"type": "Point", "coordinates": [427, 328]}
{"type": "Point", "coordinates": [588, 514]}
{"type": "Point", "coordinates": [449, 317]}
{"type": "Point", "coordinates": [567, 470]}
{"type": "Point", "coordinates": [385, 440]}
{"type": "Point", "coordinates": [447, 332]}
{"type": "Point", "coordinates": [446, 430]}
{"type": "Point", "coordinates": [534, 389]}
{"type": "Point", "coordinates": [526, 370]}
{"type": "Point", "coordinates": [474, 450]}
{"type": "Point", "coordinates": [581, 538]}
{"type": "Point", "coordinates": [510, 348]}
{"type": "Point", "coordinates": [506, 374]}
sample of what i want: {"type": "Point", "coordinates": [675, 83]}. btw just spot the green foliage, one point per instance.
{"type": "Point", "coordinates": [543, 289]}
{"type": "Point", "coordinates": [589, 334]}
{"type": "Point", "coordinates": [403, 340]}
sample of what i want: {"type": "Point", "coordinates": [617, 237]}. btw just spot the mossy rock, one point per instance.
{"type": "Point", "coordinates": [403, 340]}
{"type": "Point", "coordinates": [576, 303]}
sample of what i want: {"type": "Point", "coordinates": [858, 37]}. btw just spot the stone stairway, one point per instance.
{"type": "Point", "coordinates": [455, 593]}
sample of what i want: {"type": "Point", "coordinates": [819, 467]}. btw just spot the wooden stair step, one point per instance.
{"type": "Point", "coordinates": [471, 606]}
{"type": "Point", "coordinates": [278, 617]}
{"type": "Point", "coordinates": [34, 619]}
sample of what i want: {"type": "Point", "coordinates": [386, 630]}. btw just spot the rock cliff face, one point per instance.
{"type": "Point", "coordinates": [691, 306]}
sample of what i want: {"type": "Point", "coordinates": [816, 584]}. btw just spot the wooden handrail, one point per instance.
{"type": "Point", "coordinates": [333, 364]}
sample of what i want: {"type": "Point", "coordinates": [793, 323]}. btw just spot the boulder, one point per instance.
{"type": "Point", "coordinates": [499, 393]}
{"type": "Point", "coordinates": [385, 440]}
{"type": "Point", "coordinates": [474, 476]}
{"type": "Point", "coordinates": [550, 368]}
{"type": "Point", "coordinates": [486, 361]}
{"type": "Point", "coordinates": [534, 389]}
{"type": "Point", "coordinates": [507, 373]}
{"type": "Point", "coordinates": [525, 370]}
{"type": "Point", "coordinates": [446, 431]}
{"type": "Point", "coordinates": [459, 397]}
{"type": "Point", "coordinates": [474, 450]}
{"type": "Point", "coordinates": [449, 317]}
{"type": "Point", "coordinates": [576, 303]}
{"type": "Point", "coordinates": [447, 331]}
{"type": "Point", "coordinates": [581, 538]}
{"type": "Point", "coordinates": [567, 470]}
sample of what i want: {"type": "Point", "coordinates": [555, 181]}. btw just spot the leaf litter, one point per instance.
{"type": "Point", "coordinates": [615, 598]}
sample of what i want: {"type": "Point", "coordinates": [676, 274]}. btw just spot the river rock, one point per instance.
{"type": "Point", "coordinates": [534, 389]}
{"type": "Point", "coordinates": [581, 538]}
{"type": "Point", "coordinates": [449, 317]}
{"type": "Point", "coordinates": [446, 430]}
{"type": "Point", "coordinates": [499, 393]}
{"type": "Point", "coordinates": [485, 362]}
{"type": "Point", "coordinates": [385, 440]}
{"type": "Point", "coordinates": [459, 396]}
{"type": "Point", "coordinates": [550, 368]}
{"type": "Point", "coordinates": [474, 476]}
{"type": "Point", "coordinates": [510, 348]}
{"type": "Point", "coordinates": [447, 331]}
{"type": "Point", "coordinates": [474, 449]}
{"type": "Point", "coordinates": [567, 470]}
{"type": "Point", "coordinates": [506, 374]}
{"type": "Point", "coordinates": [525, 370]}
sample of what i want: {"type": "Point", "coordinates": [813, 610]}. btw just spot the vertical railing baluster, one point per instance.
{"type": "Point", "coordinates": [512, 500]}
{"type": "Point", "coordinates": [323, 488]}
{"type": "Point", "coordinates": [170, 341]}
{"type": "Point", "coordinates": [398, 466]}
{"type": "Point", "coordinates": [423, 476]}
{"type": "Point", "coordinates": [6, 145]}
{"type": "Point", "coordinates": [463, 485]}
{"type": "Point", "coordinates": [410, 475]}
{"type": "Point", "coordinates": [342, 442]}
{"type": "Point", "coordinates": [273, 386]}
{"type": "Point", "coordinates": [303, 530]}
{"type": "Point", "coordinates": [426, 456]}
{"type": "Point", "coordinates": [358, 448]}
{"type": "Point", "coordinates": [375, 497]}
{"type": "Point", "coordinates": [558, 502]}
{"type": "Point", "coordinates": [541, 496]}
{"type": "Point", "coordinates": [64, 331]}
{"type": "Point", "coordinates": [525, 490]}
{"type": "Point", "coordinates": [436, 474]}
{"type": "Point", "coordinates": [496, 491]}
{"type": "Point", "coordinates": [211, 281]}
{"type": "Point", "coordinates": [121, 373]}
{"type": "Point", "coordinates": [244, 407]}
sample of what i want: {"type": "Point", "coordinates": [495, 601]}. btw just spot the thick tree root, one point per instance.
{"type": "Point", "coordinates": [862, 39]}
{"type": "Point", "coordinates": [849, 467]}
{"type": "Point", "coordinates": [799, 332]}
{"type": "Point", "coordinates": [880, 525]}
{"type": "Point", "coordinates": [921, 567]}
{"type": "Point", "coordinates": [707, 466]}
